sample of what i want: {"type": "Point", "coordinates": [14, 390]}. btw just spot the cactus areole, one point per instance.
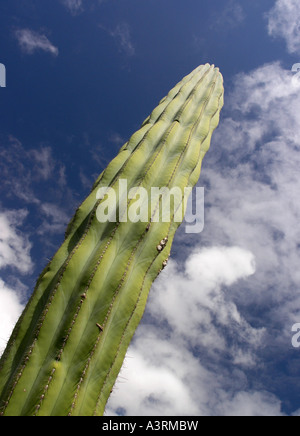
{"type": "Point", "coordinates": [68, 346]}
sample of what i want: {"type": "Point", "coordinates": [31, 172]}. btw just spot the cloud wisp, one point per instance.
{"type": "Point", "coordinates": [24, 170]}
{"type": "Point", "coordinates": [174, 365]}
{"type": "Point", "coordinates": [31, 42]}
{"type": "Point", "coordinates": [74, 6]}
{"type": "Point", "coordinates": [231, 16]}
{"type": "Point", "coordinates": [122, 35]}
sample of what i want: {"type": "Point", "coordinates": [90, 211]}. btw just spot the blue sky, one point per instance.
{"type": "Point", "coordinates": [81, 77]}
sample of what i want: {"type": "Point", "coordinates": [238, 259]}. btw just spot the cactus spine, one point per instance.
{"type": "Point", "coordinates": [69, 344]}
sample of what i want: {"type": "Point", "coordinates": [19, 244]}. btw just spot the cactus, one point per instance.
{"type": "Point", "coordinates": [68, 346]}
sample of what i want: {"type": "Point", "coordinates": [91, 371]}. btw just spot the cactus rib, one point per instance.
{"type": "Point", "coordinates": [69, 344]}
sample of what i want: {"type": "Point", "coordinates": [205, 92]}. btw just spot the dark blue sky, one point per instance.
{"type": "Point", "coordinates": [81, 78]}
{"type": "Point", "coordinates": [89, 85]}
{"type": "Point", "coordinates": [115, 61]}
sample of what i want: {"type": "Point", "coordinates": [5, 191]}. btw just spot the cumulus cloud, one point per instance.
{"type": "Point", "coordinates": [207, 271]}
{"type": "Point", "coordinates": [14, 246]}
{"type": "Point", "coordinates": [252, 404]}
{"type": "Point", "coordinates": [10, 310]}
{"type": "Point", "coordinates": [14, 254]}
{"type": "Point", "coordinates": [31, 41]}
{"type": "Point", "coordinates": [160, 378]}
{"type": "Point", "coordinates": [254, 194]}
{"type": "Point", "coordinates": [283, 21]}
{"type": "Point", "coordinates": [189, 311]}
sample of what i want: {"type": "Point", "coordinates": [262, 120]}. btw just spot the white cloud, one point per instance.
{"type": "Point", "coordinates": [155, 388]}
{"type": "Point", "coordinates": [253, 178]}
{"type": "Point", "coordinates": [189, 311]}
{"type": "Point", "coordinates": [252, 404]}
{"type": "Point", "coordinates": [207, 271]}
{"type": "Point", "coordinates": [14, 246]}
{"type": "Point", "coordinates": [254, 190]}
{"type": "Point", "coordinates": [284, 22]}
{"type": "Point", "coordinates": [164, 378]}
{"type": "Point", "coordinates": [31, 41]}
{"type": "Point", "coordinates": [10, 310]}
{"type": "Point", "coordinates": [14, 253]}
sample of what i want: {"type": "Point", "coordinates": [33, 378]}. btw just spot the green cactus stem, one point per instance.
{"type": "Point", "coordinates": [68, 346]}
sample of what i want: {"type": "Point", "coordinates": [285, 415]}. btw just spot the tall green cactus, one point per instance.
{"type": "Point", "coordinates": [69, 344]}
